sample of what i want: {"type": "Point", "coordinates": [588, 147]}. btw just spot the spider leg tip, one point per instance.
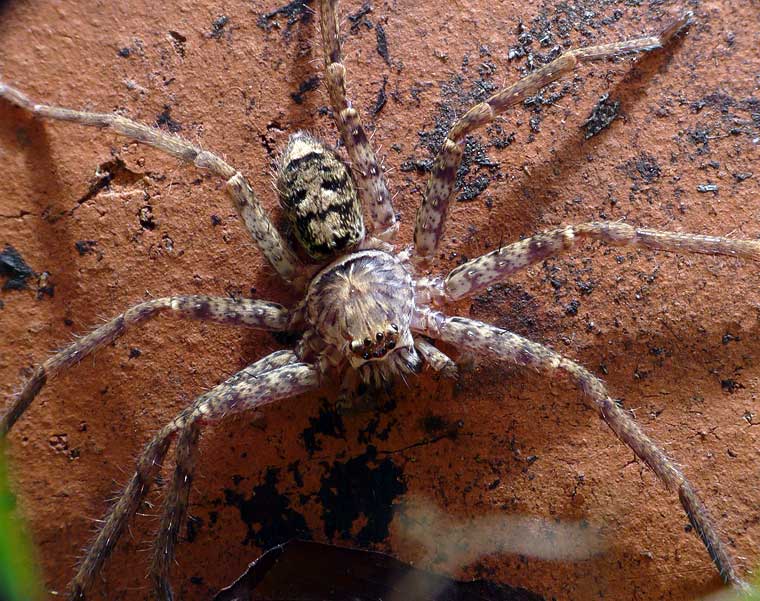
{"type": "Point", "coordinates": [679, 25]}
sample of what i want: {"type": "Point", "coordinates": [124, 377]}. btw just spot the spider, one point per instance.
{"type": "Point", "coordinates": [370, 312]}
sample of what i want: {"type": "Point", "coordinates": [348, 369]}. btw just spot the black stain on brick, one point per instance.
{"type": "Point", "coordinates": [295, 469]}
{"type": "Point", "coordinates": [85, 247]}
{"type": "Point", "coordinates": [312, 83]}
{"type": "Point", "coordinates": [362, 488]}
{"type": "Point", "coordinates": [329, 422]}
{"type": "Point", "coordinates": [267, 514]}
{"type": "Point", "coordinates": [477, 169]}
{"type": "Point", "coordinates": [14, 268]}
{"type": "Point", "coordinates": [373, 431]}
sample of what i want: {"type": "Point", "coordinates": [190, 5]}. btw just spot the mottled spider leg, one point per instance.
{"type": "Point", "coordinates": [476, 275]}
{"type": "Point", "coordinates": [245, 201]}
{"type": "Point", "coordinates": [368, 176]}
{"type": "Point", "coordinates": [431, 215]}
{"type": "Point", "coordinates": [436, 359]}
{"type": "Point", "coordinates": [484, 339]}
{"type": "Point", "coordinates": [174, 506]}
{"type": "Point", "coordinates": [250, 313]}
{"type": "Point", "coordinates": [271, 379]}
{"type": "Point", "coordinates": [174, 510]}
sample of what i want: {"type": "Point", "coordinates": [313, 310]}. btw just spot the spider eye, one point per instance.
{"type": "Point", "coordinates": [377, 346]}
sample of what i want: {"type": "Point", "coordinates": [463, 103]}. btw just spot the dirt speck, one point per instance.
{"type": "Point", "coordinates": [310, 84]}
{"type": "Point", "coordinates": [218, 25]}
{"type": "Point", "coordinates": [605, 112]}
{"type": "Point", "coordinates": [381, 99]}
{"type": "Point", "coordinates": [359, 18]}
{"type": "Point", "coordinates": [382, 43]}
{"type": "Point", "coordinates": [297, 11]}
{"type": "Point", "coordinates": [85, 247]}
{"type": "Point", "coordinates": [14, 269]}
{"type": "Point", "coordinates": [644, 167]}
{"type": "Point", "coordinates": [164, 120]}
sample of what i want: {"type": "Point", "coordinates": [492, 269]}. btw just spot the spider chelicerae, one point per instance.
{"type": "Point", "coordinates": [370, 312]}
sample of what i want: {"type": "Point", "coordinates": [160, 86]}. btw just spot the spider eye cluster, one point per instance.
{"type": "Point", "coordinates": [377, 346]}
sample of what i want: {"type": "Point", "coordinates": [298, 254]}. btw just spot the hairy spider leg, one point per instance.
{"type": "Point", "coordinates": [249, 313]}
{"type": "Point", "coordinates": [369, 178]}
{"type": "Point", "coordinates": [270, 379]}
{"type": "Point", "coordinates": [476, 275]}
{"type": "Point", "coordinates": [244, 200]}
{"type": "Point", "coordinates": [484, 339]}
{"type": "Point", "coordinates": [431, 216]}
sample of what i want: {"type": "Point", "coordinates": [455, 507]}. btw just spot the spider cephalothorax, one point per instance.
{"type": "Point", "coordinates": [369, 311]}
{"type": "Point", "coordinates": [361, 306]}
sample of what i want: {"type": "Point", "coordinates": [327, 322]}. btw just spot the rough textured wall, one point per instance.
{"type": "Point", "coordinates": [112, 223]}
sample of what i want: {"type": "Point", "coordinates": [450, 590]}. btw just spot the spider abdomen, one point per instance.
{"type": "Point", "coordinates": [319, 198]}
